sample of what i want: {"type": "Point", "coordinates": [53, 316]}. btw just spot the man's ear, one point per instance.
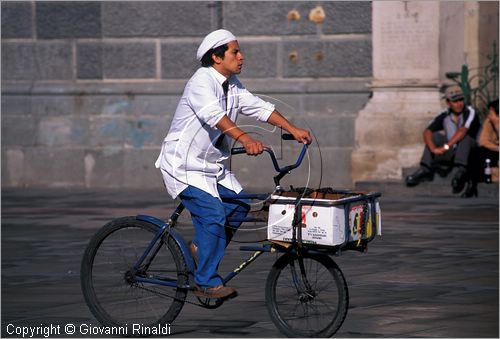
{"type": "Point", "coordinates": [216, 59]}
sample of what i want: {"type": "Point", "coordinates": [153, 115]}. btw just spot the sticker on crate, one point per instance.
{"type": "Point", "coordinates": [356, 217]}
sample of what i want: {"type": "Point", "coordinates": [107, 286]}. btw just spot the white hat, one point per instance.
{"type": "Point", "coordinates": [212, 40]}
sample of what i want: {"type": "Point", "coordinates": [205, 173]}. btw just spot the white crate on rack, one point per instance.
{"type": "Point", "coordinates": [322, 223]}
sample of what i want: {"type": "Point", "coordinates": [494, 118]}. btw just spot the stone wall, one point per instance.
{"type": "Point", "coordinates": [89, 88]}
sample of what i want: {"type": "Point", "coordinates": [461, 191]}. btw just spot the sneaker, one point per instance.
{"type": "Point", "coordinates": [420, 175]}
{"type": "Point", "coordinates": [459, 180]}
{"type": "Point", "coordinates": [217, 292]}
{"type": "Point", "coordinates": [193, 249]}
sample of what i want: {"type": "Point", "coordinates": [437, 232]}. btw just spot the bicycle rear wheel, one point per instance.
{"type": "Point", "coordinates": [112, 296]}
{"type": "Point", "coordinates": [306, 295]}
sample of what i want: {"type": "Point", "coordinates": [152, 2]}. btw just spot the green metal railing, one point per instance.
{"type": "Point", "coordinates": [480, 85]}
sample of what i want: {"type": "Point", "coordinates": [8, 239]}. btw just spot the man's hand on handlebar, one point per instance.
{"type": "Point", "coordinates": [255, 147]}
{"type": "Point", "coordinates": [251, 145]}
{"type": "Point", "coordinates": [301, 135]}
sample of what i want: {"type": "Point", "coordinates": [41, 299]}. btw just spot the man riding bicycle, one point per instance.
{"type": "Point", "coordinates": [194, 154]}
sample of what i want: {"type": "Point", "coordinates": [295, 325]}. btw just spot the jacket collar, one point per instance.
{"type": "Point", "coordinates": [219, 77]}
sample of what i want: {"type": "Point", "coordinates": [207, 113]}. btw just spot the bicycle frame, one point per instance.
{"type": "Point", "coordinates": [167, 229]}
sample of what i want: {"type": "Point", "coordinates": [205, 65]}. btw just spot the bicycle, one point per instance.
{"type": "Point", "coordinates": [139, 269]}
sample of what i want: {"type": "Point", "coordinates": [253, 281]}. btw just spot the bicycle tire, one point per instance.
{"type": "Point", "coordinates": [299, 312]}
{"type": "Point", "coordinates": [113, 300]}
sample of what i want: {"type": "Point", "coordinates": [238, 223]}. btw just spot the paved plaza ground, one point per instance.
{"type": "Point", "coordinates": [433, 273]}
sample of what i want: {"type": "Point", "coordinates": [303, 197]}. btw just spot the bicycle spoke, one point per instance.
{"type": "Point", "coordinates": [108, 276]}
{"type": "Point", "coordinates": [306, 302]}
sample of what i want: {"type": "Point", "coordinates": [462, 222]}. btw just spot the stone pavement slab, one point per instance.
{"type": "Point", "coordinates": [433, 273]}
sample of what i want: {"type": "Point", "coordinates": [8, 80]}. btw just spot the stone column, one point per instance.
{"type": "Point", "coordinates": [388, 131]}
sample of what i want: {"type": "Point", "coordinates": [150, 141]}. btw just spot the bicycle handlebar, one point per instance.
{"type": "Point", "coordinates": [287, 136]}
{"type": "Point", "coordinates": [281, 170]}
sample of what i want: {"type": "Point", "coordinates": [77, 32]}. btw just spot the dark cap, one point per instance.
{"type": "Point", "coordinates": [454, 93]}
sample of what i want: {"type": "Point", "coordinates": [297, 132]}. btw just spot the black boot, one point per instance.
{"type": "Point", "coordinates": [459, 179]}
{"type": "Point", "coordinates": [420, 175]}
{"type": "Point", "coordinates": [470, 190]}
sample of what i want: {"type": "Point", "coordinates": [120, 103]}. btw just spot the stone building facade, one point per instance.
{"type": "Point", "coordinates": [89, 88]}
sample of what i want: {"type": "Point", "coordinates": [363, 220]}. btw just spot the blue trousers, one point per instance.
{"type": "Point", "coordinates": [212, 232]}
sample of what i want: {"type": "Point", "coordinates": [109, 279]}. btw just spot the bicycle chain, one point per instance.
{"type": "Point", "coordinates": [169, 296]}
{"type": "Point", "coordinates": [167, 235]}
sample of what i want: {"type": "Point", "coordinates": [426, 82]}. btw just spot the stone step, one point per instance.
{"type": "Point", "coordinates": [438, 187]}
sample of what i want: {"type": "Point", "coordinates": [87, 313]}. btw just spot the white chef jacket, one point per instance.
{"type": "Point", "coordinates": [188, 155]}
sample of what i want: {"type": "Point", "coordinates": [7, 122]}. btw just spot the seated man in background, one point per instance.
{"type": "Point", "coordinates": [449, 139]}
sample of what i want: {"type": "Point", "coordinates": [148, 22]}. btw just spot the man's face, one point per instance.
{"type": "Point", "coordinates": [233, 60]}
{"type": "Point", "coordinates": [456, 106]}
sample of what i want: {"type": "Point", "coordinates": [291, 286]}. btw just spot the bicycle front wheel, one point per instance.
{"type": "Point", "coordinates": [107, 279]}
{"type": "Point", "coordinates": [306, 295]}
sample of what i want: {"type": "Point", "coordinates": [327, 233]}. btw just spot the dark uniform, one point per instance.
{"type": "Point", "coordinates": [443, 128]}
